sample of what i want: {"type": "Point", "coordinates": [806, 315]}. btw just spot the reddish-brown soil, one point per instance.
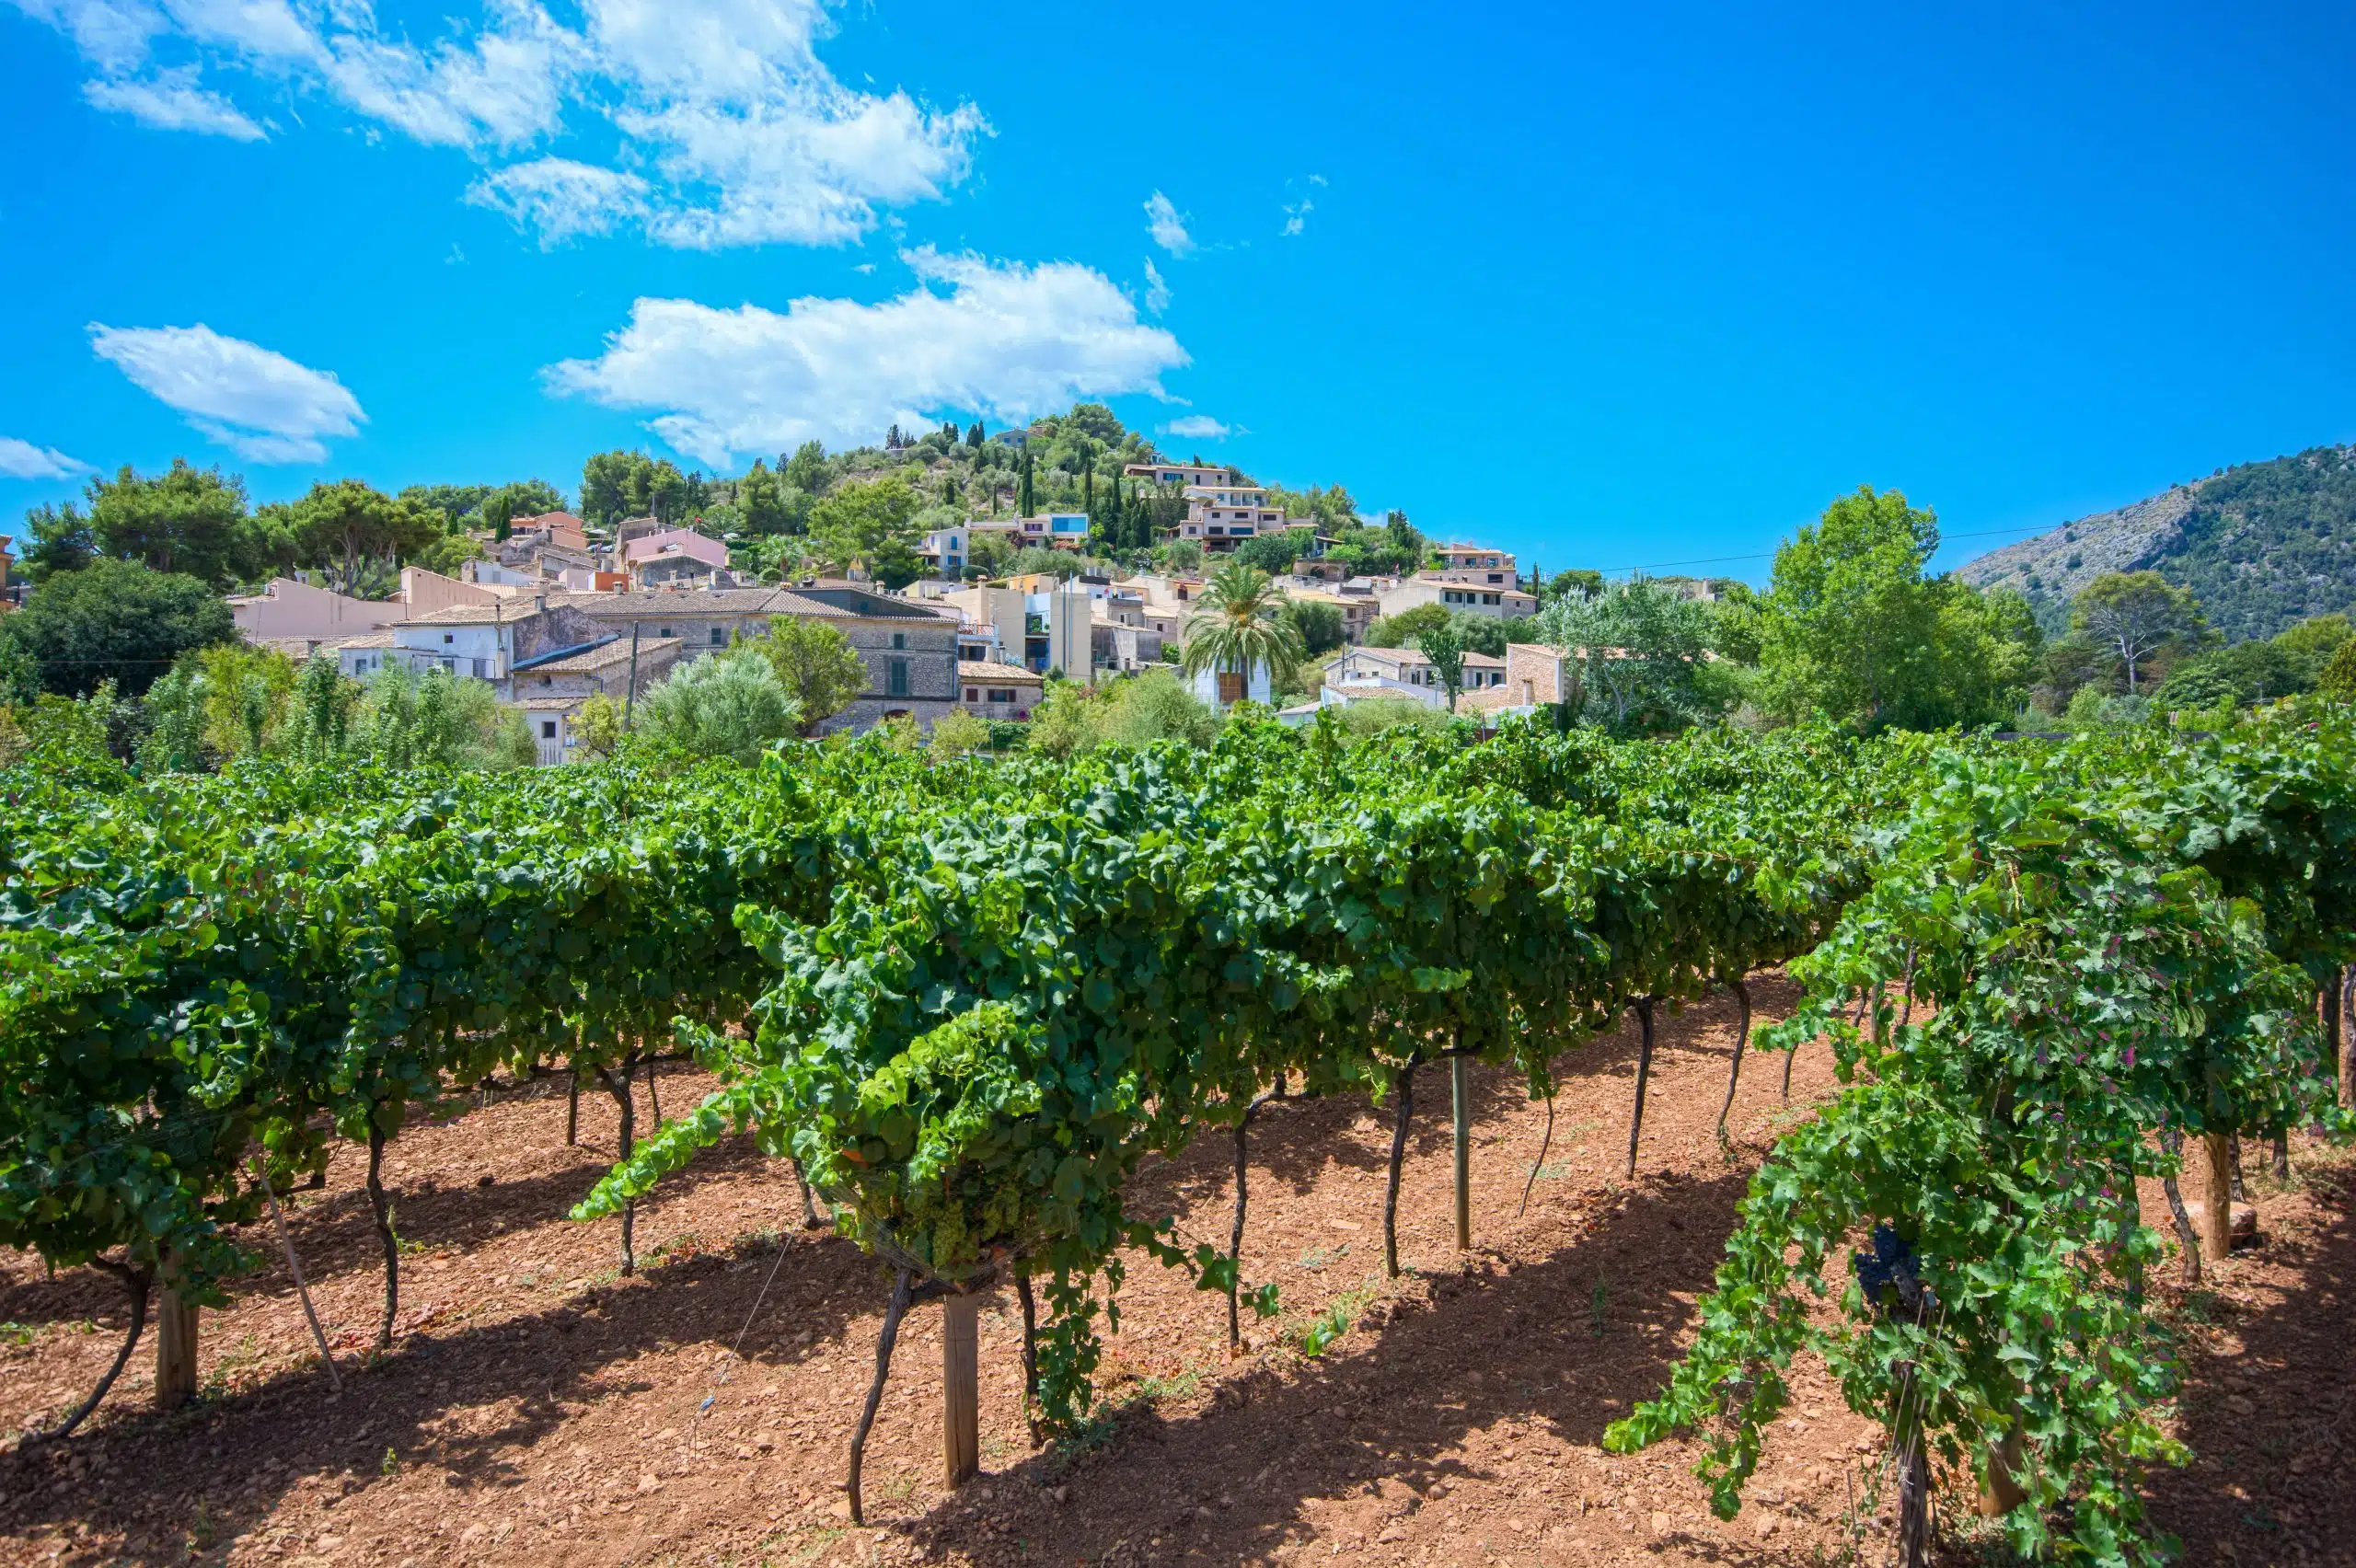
{"type": "Point", "coordinates": [537, 1409]}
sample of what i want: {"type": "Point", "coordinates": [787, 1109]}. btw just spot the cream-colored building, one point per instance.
{"type": "Point", "coordinates": [288, 611]}
{"type": "Point", "coordinates": [1471, 598]}
{"type": "Point", "coordinates": [1403, 673]}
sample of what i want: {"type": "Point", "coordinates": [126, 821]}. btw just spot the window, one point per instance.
{"type": "Point", "coordinates": [973, 694]}
{"type": "Point", "coordinates": [447, 638]}
{"type": "Point", "coordinates": [1488, 598]}
{"type": "Point", "coordinates": [895, 678]}
{"type": "Point", "coordinates": [899, 639]}
{"type": "Point", "coordinates": [1002, 696]}
{"type": "Point", "coordinates": [719, 638]}
{"type": "Point", "coordinates": [664, 632]}
{"type": "Point", "coordinates": [548, 729]}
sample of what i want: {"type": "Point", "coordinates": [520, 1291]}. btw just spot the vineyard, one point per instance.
{"type": "Point", "coordinates": [975, 1008]}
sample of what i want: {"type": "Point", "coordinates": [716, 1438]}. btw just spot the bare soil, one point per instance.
{"type": "Point", "coordinates": [536, 1408]}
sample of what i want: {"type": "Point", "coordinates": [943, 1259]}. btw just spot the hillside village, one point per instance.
{"type": "Point", "coordinates": [1040, 576]}
{"type": "Point", "coordinates": [1063, 584]}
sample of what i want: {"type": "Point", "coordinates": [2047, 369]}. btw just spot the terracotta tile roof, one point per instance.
{"type": "Point", "coordinates": [823, 601]}
{"type": "Point", "coordinates": [605, 656]}
{"type": "Point", "coordinates": [473, 614]}
{"type": "Point", "coordinates": [1002, 674]}
{"type": "Point", "coordinates": [1405, 656]}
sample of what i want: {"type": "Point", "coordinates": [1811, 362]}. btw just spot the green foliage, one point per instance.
{"type": "Point", "coordinates": [1852, 630]}
{"type": "Point", "coordinates": [1642, 654]}
{"type": "Point", "coordinates": [959, 733]}
{"type": "Point", "coordinates": [1376, 714]}
{"type": "Point", "coordinates": [1319, 624]}
{"type": "Point", "coordinates": [816, 663]}
{"type": "Point", "coordinates": [2266, 544]}
{"type": "Point", "coordinates": [598, 727]}
{"type": "Point", "coordinates": [616, 485]}
{"type": "Point", "coordinates": [870, 524]}
{"type": "Point", "coordinates": [434, 720]}
{"type": "Point", "coordinates": [2339, 676]}
{"type": "Point", "coordinates": [971, 1000]}
{"type": "Point", "coordinates": [115, 621]}
{"type": "Point", "coordinates": [449, 554]}
{"type": "Point", "coordinates": [1403, 629]}
{"type": "Point", "coordinates": [2094, 973]}
{"type": "Point", "coordinates": [2133, 616]}
{"type": "Point", "coordinates": [760, 501]}
{"type": "Point", "coordinates": [806, 469]}
{"type": "Point", "coordinates": [1274, 553]}
{"type": "Point", "coordinates": [1333, 507]}
{"type": "Point", "coordinates": [1444, 646]}
{"type": "Point", "coordinates": [344, 527]}
{"type": "Point", "coordinates": [187, 520]}
{"type": "Point", "coordinates": [1153, 705]}
{"type": "Point", "coordinates": [729, 705]}
{"type": "Point", "coordinates": [1235, 628]}
{"type": "Point", "coordinates": [61, 540]}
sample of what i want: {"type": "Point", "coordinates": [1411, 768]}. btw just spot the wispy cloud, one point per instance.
{"type": "Point", "coordinates": [732, 130]}
{"type": "Point", "coordinates": [171, 100]}
{"type": "Point", "coordinates": [23, 460]}
{"type": "Point", "coordinates": [1297, 213]}
{"type": "Point", "coordinates": [999, 339]}
{"type": "Point", "coordinates": [1156, 290]}
{"type": "Point", "coordinates": [1198, 427]}
{"type": "Point", "coordinates": [1167, 225]}
{"type": "Point", "coordinates": [261, 405]}
{"type": "Point", "coordinates": [559, 199]}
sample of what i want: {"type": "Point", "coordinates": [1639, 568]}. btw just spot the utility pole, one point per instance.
{"type": "Point", "coordinates": [629, 697]}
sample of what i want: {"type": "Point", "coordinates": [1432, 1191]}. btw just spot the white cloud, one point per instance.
{"type": "Point", "coordinates": [262, 405]}
{"type": "Point", "coordinates": [807, 168]}
{"type": "Point", "coordinates": [1167, 225]}
{"type": "Point", "coordinates": [23, 460]}
{"type": "Point", "coordinates": [754, 138]}
{"type": "Point", "coordinates": [1156, 290]}
{"type": "Point", "coordinates": [505, 91]}
{"type": "Point", "coordinates": [1001, 339]}
{"type": "Point", "coordinates": [559, 198]}
{"type": "Point", "coordinates": [1198, 427]}
{"type": "Point", "coordinates": [1296, 216]}
{"type": "Point", "coordinates": [171, 100]}
{"type": "Point", "coordinates": [111, 34]}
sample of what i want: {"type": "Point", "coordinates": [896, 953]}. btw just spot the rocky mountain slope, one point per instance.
{"type": "Point", "coordinates": [2263, 546]}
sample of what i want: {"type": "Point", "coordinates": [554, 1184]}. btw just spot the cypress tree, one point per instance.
{"type": "Point", "coordinates": [1023, 497]}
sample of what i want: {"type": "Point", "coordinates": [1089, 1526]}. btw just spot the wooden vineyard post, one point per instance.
{"type": "Point", "coordinates": [2216, 1199]}
{"type": "Point", "coordinates": [175, 1345]}
{"type": "Point", "coordinates": [960, 1401]}
{"type": "Point", "coordinates": [1459, 1076]}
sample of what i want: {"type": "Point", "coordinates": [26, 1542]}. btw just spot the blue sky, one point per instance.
{"type": "Point", "coordinates": [1613, 289]}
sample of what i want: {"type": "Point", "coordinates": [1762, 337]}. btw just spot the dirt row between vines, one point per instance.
{"type": "Point", "coordinates": [538, 1409]}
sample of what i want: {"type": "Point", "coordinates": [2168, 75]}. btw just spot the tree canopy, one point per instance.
{"type": "Point", "coordinates": [1854, 630]}
{"type": "Point", "coordinates": [729, 705]}
{"type": "Point", "coordinates": [115, 620]}
{"type": "Point", "coordinates": [2133, 616]}
{"type": "Point", "coordinates": [815, 663]}
{"type": "Point", "coordinates": [1640, 650]}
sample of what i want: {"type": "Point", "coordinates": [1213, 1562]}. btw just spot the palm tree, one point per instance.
{"type": "Point", "coordinates": [1235, 629]}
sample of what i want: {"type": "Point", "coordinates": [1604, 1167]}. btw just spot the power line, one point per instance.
{"type": "Point", "coordinates": [1769, 555]}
